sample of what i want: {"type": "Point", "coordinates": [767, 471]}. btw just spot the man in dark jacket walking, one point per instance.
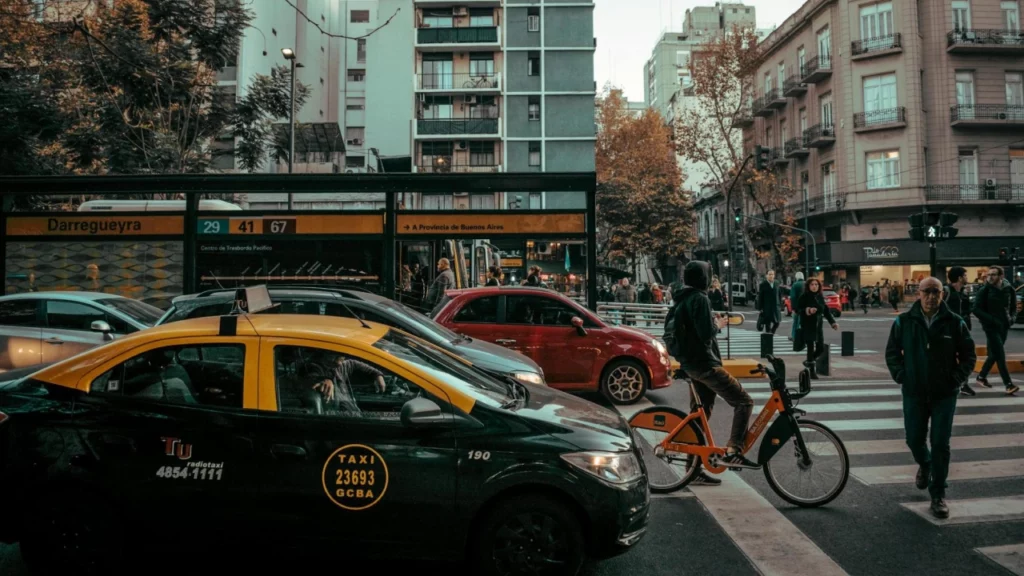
{"type": "Point", "coordinates": [929, 354]}
{"type": "Point", "coordinates": [994, 305]}
{"type": "Point", "coordinates": [960, 304]}
{"type": "Point", "coordinates": [695, 332]}
{"type": "Point", "coordinates": [795, 292]}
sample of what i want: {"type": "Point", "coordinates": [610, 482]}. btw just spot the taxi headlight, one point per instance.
{"type": "Point", "coordinates": [612, 467]}
{"type": "Point", "coordinates": [529, 377]}
{"type": "Point", "coordinates": [661, 347]}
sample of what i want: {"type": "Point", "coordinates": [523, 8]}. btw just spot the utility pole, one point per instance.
{"type": "Point", "coordinates": [289, 55]}
{"type": "Point", "coordinates": [728, 204]}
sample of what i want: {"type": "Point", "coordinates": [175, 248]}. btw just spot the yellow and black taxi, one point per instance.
{"type": "Point", "coordinates": [252, 428]}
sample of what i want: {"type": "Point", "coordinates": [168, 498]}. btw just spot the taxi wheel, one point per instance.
{"type": "Point", "coordinates": [69, 537]}
{"type": "Point", "coordinates": [531, 534]}
{"type": "Point", "coordinates": [624, 382]}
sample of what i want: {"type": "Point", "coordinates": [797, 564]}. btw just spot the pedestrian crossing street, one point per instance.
{"type": "Point", "coordinates": [987, 446]}
{"type": "Point", "coordinates": [744, 343]}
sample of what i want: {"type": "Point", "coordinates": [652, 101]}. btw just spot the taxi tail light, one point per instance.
{"type": "Point", "coordinates": [3, 417]}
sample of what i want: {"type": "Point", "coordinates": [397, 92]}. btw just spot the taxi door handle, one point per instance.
{"type": "Point", "coordinates": [54, 340]}
{"type": "Point", "coordinates": [504, 341]}
{"type": "Point", "coordinates": [288, 451]}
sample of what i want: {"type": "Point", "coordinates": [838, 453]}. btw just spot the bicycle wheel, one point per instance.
{"type": "Point", "coordinates": [795, 482]}
{"type": "Point", "coordinates": [666, 472]}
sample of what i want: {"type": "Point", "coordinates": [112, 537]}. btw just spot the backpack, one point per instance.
{"type": "Point", "coordinates": [672, 343]}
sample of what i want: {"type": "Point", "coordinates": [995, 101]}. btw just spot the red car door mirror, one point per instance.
{"type": "Point", "coordinates": [577, 323]}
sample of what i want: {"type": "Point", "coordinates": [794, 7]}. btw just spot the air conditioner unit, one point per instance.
{"type": "Point", "coordinates": [356, 142]}
{"type": "Point", "coordinates": [460, 11]}
{"type": "Point", "coordinates": [470, 99]}
{"type": "Point", "coordinates": [460, 145]}
{"type": "Point", "coordinates": [990, 182]}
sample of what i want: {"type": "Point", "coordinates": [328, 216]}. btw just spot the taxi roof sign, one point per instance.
{"type": "Point", "coordinates": [248, 300]}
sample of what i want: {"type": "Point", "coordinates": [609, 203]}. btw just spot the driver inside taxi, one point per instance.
{"type": "Point", "coordinates": [336, 384]}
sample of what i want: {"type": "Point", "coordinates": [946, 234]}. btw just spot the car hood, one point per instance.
{"type": "Point", "coordinates": [579, 422]}
{"type": "Point", "coordinates": [632, 333]}
{"type": "Point", "coordinates": [495, 358]}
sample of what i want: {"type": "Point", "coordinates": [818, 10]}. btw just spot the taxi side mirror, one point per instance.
{"type": "Point", "coordinates": [423, 413]}
{"type": "Point", "coordinates": [577, 323]}
{"type": "Point", "coordinates": [102, 326]}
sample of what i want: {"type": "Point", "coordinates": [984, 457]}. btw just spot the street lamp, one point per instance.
{"type": "Point", "coordinates": [289, 55]}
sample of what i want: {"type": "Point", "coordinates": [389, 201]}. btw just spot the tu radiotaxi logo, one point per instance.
{"type": "Point", "coordinates": [175, 447]}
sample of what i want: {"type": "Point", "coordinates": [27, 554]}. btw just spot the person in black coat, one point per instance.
{"type": "Point", "coordinates": [768, 303]}
{"type": "Point", "coordinates": [494, 276]}
{"type": "Point", "coordinates": [812, 310]}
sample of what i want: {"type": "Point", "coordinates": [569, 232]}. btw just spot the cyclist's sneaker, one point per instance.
{"type": "Point", "coordinates": [737, 460]}
{"type": "Point", "coordinates": [982, 382]}
{"type": "Point", "coordinates": [703, 479]}
{"type": "Point", "coordinates": [1012, 389]}
{"type": "Point", "coordinates": [967, 390]}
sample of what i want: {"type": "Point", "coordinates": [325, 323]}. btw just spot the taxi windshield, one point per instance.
{"type": "Point", "coordinates": [445, 368]}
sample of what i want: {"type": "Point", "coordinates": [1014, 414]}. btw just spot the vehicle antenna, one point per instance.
{"type": "Point", "coordinates": [349, 310]}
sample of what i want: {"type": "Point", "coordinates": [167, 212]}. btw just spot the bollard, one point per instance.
{"type": "Point", "coordinates": [767, 344]}
{"type": "Point", "coordinates": [847, 343]}
{"type": "Point", "coordinates": [823, 362]}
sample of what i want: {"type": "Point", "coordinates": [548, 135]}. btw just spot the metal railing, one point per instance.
{"type": "Point", "coordinates": [650, 318]}
{"type": "Point", "coordinates": [819, 133]}
{"type": "Point", "coordinates": [957, 193]}
{"type": "Point", "coordinates": [880, 117]}
{"type": "Point", "coordinates": [878, 44]}
{"type": "Point", "coordinates": [743, 117]}
{"type": "Point", "coordinates": [987, 112]}
{"type": "Point", "coordinates": [985, 37]}
{"type": "Point", "coordinates": [816, 65]}
{"type": "Point", "coordinates": [455, 127]}
{"type": "Point", "coordinates": [458, 81]}
{"type": "Point", "coordinates": [464, 35]}
{"type": "Point", "coordinates": [778, 156]}
{"type": "Point", "coordinates": [794, 85]}
{"type": "Point", "coordinates": [796, 146]}
{"type": "Point", "coordinates": [447, 165]}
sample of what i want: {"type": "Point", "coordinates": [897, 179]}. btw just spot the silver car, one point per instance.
{"type": "Point", "coordinates": [44, 327]}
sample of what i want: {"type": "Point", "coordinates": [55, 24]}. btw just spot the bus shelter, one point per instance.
{"type": "Point", "coordinates": [156, 237]}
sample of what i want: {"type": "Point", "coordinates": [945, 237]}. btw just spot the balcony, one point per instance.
{"type": "Point", "coordinates": [817, 69]}
{"type": "Point", "coordinates": [964, 193]}
{"type": "Point", "coordinates": [463, 38]}
{"type": "Point", "coordinates": [777, 156]}
{"type": "Point", "coordinates": [775, 99]}
{"type": "Point", "coordinates": [796, 148]}
{"type": "Point", "coordinates": [968, 115]}
{"type": "Point", "coordinates": [820, 136]}
{"type": "Point", "coordinates": [760, 108]}
{"type": "Point", "coordinates": [976, 41]}
{"type": "Point", "coordinates": [456, 165]}
{"type": "Point", "coordinates": [885, 119]}
{"type": "Point", "coordinates": [459, 82]}
{"type": "Point", "coordinates": [793, 87]}
{"type": "Point", "coordinates": [487, 127]}
{"type": "Point", "coordinates": [873, 47]}
{"type": "Point", "coordinates": [744, 118]}
{"type": "Point", "coordinates": [469, 3]}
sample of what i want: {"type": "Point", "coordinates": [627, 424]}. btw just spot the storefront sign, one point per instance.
{"type": "Point", "coordinates": [94, 225]}
{"type": "Point", "coordinates": [491, 224]}
{"type": "Point", "coordinates": [341, 224]}
{"type": "Point", "coordinates": [881, 252]}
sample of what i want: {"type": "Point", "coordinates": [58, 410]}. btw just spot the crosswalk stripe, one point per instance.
{"type": "Point", "coordinates": [760, 531]}
{"type": "Point", "coordinates": [897, 423]}
{"type": "Point", "coordinates": [883, 406]}
{"type": "Point", "coordinates": [891, 391]}
{"type": "Point", "coordinates": [973, 510]}
{"type": "Point", "coordinates": [984, 469]}
{"type": "Point", "coordinates": [1010, 557]}
{"type": "Point", "coordinates": [818, 384]}
{"type": "Point", "coordinates": [976, 442]}
{"type": "Point", "coordinates": [748, 342]}
{"type": "Point", "coordinates": [628, 411]}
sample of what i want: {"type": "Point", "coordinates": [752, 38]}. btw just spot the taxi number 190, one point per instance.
{"type": "Point", "coordinates": [192, 473]}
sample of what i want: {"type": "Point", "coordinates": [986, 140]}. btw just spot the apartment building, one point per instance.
{"type": "Point", "coordinates": [875, 110]}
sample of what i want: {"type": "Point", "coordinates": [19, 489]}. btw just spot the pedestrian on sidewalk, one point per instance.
{"type": "Point", "coordinates": [959, 303]}
{"type": "Point", "coordinates": [812, 310]}
{"type": "Point", "coordinates": [795, 292]}
{"type": "Point", "coordinates": [768, 303]}
{"type": "Point", "coordinates": [995, 305]}
{"type": "Point", "coordinates": [929, 354]}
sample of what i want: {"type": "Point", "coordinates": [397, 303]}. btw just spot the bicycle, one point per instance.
{"type": "Point", "coordinates": [687, 439]}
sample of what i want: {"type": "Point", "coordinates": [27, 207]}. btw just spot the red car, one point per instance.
{"type": "Point", "coordinates": [575, 348]}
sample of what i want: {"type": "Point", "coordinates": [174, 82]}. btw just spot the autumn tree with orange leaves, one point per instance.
{"type": "Point", "coordinates": [723, 70]}
{"type": "Point", "coordinates": [641, 207]}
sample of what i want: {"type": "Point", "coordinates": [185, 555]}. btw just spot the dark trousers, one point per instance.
{"type": "Point", "coordinates": [916, 414]}
{"type": "Point", "coordinates": [996, 355]}
{"type": "Point", "coordinates": [813, 349]}
{"type": "Point", "coordinates": [771, 326]}
{"type": "Point", "coordinates": [718, 381]}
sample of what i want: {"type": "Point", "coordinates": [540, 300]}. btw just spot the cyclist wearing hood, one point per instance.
{"type": "Point", "coordinates": [695, 331]}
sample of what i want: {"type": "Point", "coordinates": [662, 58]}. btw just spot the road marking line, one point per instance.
{"type": "Point", "coordinates": [767, 538]}
{"type": "Point", "coordinates": [981, 469]}
{"type": "Point", "coordinates": [628, 411]}
{"type": "Point", "coordinates": [862, 447]}
{"type": "Point", "coordinates": [882, 406]}
{"type": "Point", "coordinates": [1010, 557]}
{"type": "Point", "coordinates": [679, 494]}
{"type": "Point", "coordinates": [890, 391]}
{"type": "Point", "coordinates": [972, 510]}
{"type": "Point", "coordinates": [897, 423]}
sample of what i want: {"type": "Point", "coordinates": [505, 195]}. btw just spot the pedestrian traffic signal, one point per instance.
{"type": "Point", "coordinates": [917, 227]}
{"type": "Point", "coordinates": [946, 222]}
{"type": "Point", "coordinates": [737, 215]}
{"type": "Point", "coordinates": [933, 226]}
{"type": "Point", "coordinates": [1004, 254]}
{"type": "Point", "coordinates": [761, 157]}
{"type": "Point", "coordinates": [817, 266]}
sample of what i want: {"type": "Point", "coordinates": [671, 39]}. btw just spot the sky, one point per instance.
{"type": "Point", "coordinates": [627, 31]}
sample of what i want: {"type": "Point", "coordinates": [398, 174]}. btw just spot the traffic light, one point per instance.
{"type": "Point", "coordinates": [946, 222]}
{"type": "Point", "coordinates": [1004, 255]}
{"type": "Point", "coordinates": [761, 157]}
{"type": "Point", "coordinates": [817, 265]}
{"type": "Point", "coordinates": [917, 227]}
{"type": "Point", "coordinates": [932, 226]}
{"type": "Point", "coordinates": [737, 215]}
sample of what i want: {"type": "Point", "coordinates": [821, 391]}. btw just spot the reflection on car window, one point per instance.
{"type": "Point", "coordinates": [141, 312]}
{"type": "Point", "coordinates": [207, 374]}
{"type": "Point", "coordinates": [483, 310]}
{"type": "Point", "coordinates": [316, 381]}
{"type": "Point", "coordinates": [538, 310]}
{"type": "Point", "coordinates": [61, 315]}
{"type": "Point", "coordinates": [18, 313]}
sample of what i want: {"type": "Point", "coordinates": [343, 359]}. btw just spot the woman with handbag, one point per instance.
{"type": "Point", "coordinates": [812, 310]}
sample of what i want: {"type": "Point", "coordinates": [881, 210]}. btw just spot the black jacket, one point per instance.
{"type": "Point", "coordinates": [717, 300]}
{"type": "Point", "coordinates": [695, 326]}
{"type": "Point", "coordinates": [995, 307]}
{"type": "Point", "coordinates": [768, 301]}
{"type": "Point", "coordinates": [959, 303]}
{"type": "Point", "coordinates": [930, 363]}
{"type": "Point", "coordinates": [811, 328]}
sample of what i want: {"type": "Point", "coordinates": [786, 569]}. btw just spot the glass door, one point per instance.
{"type": "Point", "coordinates": [968, 175]}
{"type": "Point", "coordinates": [965, 95]}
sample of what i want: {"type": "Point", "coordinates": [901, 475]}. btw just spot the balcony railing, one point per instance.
{"type": "Point", "coordinates": [743, 118]}
{"type": "Point", "coordinates": [454, 127]}
{"type": "Point", "coordinates": [817, 69]}
{"type": "Point", "coordinates": [794, 86]}
{"type": "Point", "coordinates": [879, 44]}
{"type": "Point", "coordinates": [978, 40]}
{"type": "Point", "coordinates": [778, 156]}
{"type": "Point", "coordinates": [448, 165]}
{"type": "Point", "coordinates": [986, 114]}
{"type": "Point", "coordinates": [820, 135]}
{"type": "Point", "coordinates": [974, 193]}
{"type": "Point", "coordinates": [796, 147]}
{"type": "Point", "coordinates": [458, 82]}
{"type": "Point", "coordinates": [775, 99]}
{"type": "Point", "coordinates": [760, 108]}
{"type": "Point", "coordinates": [886, 118]}
{"type": "Point", "coordinates": [463, 35]}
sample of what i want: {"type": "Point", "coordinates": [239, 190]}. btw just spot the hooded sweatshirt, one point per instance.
{"type": "Point", "coordinates": [694, 322]}
{"type": "Point", "coordinates": [995, 306]}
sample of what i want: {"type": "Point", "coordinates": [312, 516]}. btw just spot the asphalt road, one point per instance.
{"type": "Point", "coordinates": [872, 528]}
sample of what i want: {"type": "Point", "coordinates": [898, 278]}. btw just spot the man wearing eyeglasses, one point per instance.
{"type": "Point", "coordinates": [930, 354]}
{"type": "Point", "coordinates": [995, 305]}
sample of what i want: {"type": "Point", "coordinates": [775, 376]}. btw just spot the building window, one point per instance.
{"type": "Point", "coordinates": [965, 94]}
{"type": "Point", "coordinates": [782, 132]}
{"type": "Point", "coordinates": [828, 184]}
{"type": "Point", "coordinates": [782, 75]}
{"type": "Point", "coordinates": [1015, 93]}
{"type": "Point", "coordinates": [803, 121]}
{"type": "Point", "coordinates": [485, 107]}
{"type": "Point", "coordinates": [961, 15]}
{"type": "Point", "coordinates": [1011, 16]}
{"type": "Point", "coordinates": [801, 59]}
{"type": "Point", "coordinates": [683, 58]}
{"type": "Point", "coordinates": [767, 83]}
{"type": "Point", "coordinates": [481, 65]}
{"type": "Point", "coordinates": [533, 19]}
{"type": "Point", "coordinates": [361, 50]}
{"type": "Point", "coordinates": [481, 154]}
{"type": "Point", "coordinates": [437, 18]}
{"type": "Point", "coordinates": [359, 16]}
{"type": "Point", "coordinates": [437, 108]}
{"type": "Point", "coordinates": [883, 169]}
{"type": "Point", "coordinates": [355, 161]}
{"type": "Point", "coordinates": [356, 75]}
{"type": "Point", "coordinates": [437, 71]}
{"type": "Point", "coordinates": [534, 107]}
{"type": "Point", "coordinates": [355, 135]}
{"type": "Point", "coordinates": [533, 64]}
{"type": "Point", "coordinates": [534, 153]}
{"type": "Point", "coordinates": [875, 22]}
{"type": "Point", "coordinates": [355, 104]}
{"type": "Point", "coordinates": [481, 17]}
{"type": "Point", "coordinates": [1017, 168]}
{"type": "Point", "coordinates": [825, 48]}
{"type": "Point", "coordinates": [880, 99]}
{"type": "Point", "coordinates": [968, 168]}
